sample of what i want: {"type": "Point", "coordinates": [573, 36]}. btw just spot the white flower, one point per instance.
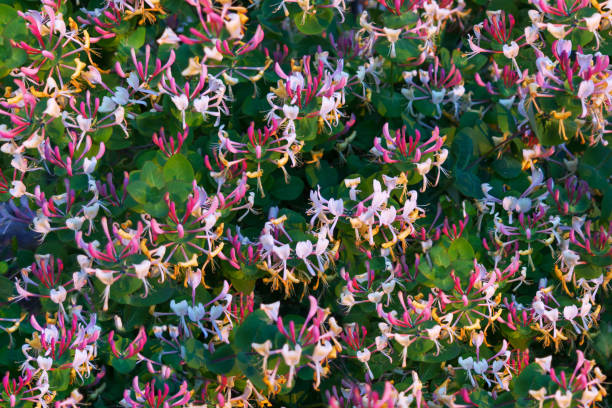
{"type": "Point", "coordinates": [424, 167]}
{"type": "Point", "coordinates": [437, 97]}
{"type": "Point", "coordinates": [212, 53]}
{"type": "Point", "coordinates": [347, 298]}
{"type": "Point", "coordinates": [81, 357]}
{"type": "Point", "coordinates": [292, 358]}
{"type": "Point", "coordinates": [234, 26]}
{"type": "Point", "coordinates": [79, 280]}
{"type": "Point", "coordinates": [107, 105]}
{"type": "Point", "coordinates": [375, 297]}
{"type": "Point", "coordinates": [544, 363]}
{"type": "Point", "coordinates": [33, 141]}
{"type": "Point", "coordinates": [282, 251]}
{"type": "Point", "coordinates": [44, 363]}
{"type": "Point", "coordinates": [586, 89]}
{"type": "Point", "coordinates": [556, 30]}
{"type": "Point", "coordinates": [563, 400]}
{"type": "Point", "coordinates": [531, 34]}
{"type": "Point", "coordinates": [392, 36]}
{"type": "Point", "coordinates": [364, 355]}
{"type": "Point", "coordinates": [58, 295]}
{"type": "Point", "coordinates": [53, 109]}
{"type": "Point", "coordinates": [142, 269]}
{"type": "Point", "coordinates": [84, 123]}
{"type": "Point", "coordinates": [336, 207]}
{"type": "Point", "coordinates": [41, 224]}
{"type": "Point", "coordinates": [481, 366]}
{"type": "Point", "coordinates": [508, 102]}
{"type": "Point", "coordinates": [303, 249]}
{"type": "Point", "coordinates": [196, 313]}
{"type": "Point", "coordinates": [180, 309]}
{"type": "Point", "coordinates": [321, 351]}
{"type": "Point", "coordinates": [18, 189]}
{"type": "Point", "coordinates": [180, 101]}
{"type": "Point", "coordinates": [291, 112]}
{"type": "Point", "coordinates": [90, 212]}
{"type": "Point", "coordinates": [467, 363]}
{"type": "Point", "coordinates": [271, 310]}
{"type": "Point", "coordinates": [570, 312]}
{"type": "Point", "coordinates": [387, 216]}
{"type": "Point", "coordinates": [511, 51]}
{"type": "Point", "coordinates": [588, 396]}
{"type": "Point", "coordinates": [168, 37]}
{"type": "Point", "coordinates": [592, 23]}
{"type": "Point", "coordinates": [75, 223]}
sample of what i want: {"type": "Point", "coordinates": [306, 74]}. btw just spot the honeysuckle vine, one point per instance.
{"type": "Point", "coordinates": [305, 203]}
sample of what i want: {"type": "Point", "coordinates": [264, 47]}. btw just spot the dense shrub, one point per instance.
{"type": "Point", "coordinates": [305, 203]}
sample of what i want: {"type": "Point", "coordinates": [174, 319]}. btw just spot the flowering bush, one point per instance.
{"type": "Point", "coordinates": [305, 203]}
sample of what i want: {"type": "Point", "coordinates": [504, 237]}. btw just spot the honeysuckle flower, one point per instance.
{"type": "Point", "coordinates": [141, 270]}
{"type": "Point", "coordinates": [563, 400]}
{"type": "Point", "coordinates": [585, 90]}
{"type": "Point", "coordinates": [511, 52]}
{"type": "Point", "coordinates": [107, 278]}
{"type": "Point", "coordinates": [556, 30]}
{"type": "Point", "coordinates": [53, 109]}
{"type": "Point", "coordinates": [364, 357]}
{"type": "Point", "coordinates": [181, 309]}
{"type": "Point", "coordinates": [592, 25]}
{"type": "Point", "coordinates": [292, 359]}
{"type": "Point", "coordinates": [392, 35]}
{"type": "Point", "coordinates": [181, 102]}
{"type": "Point", "coordinates": [329, 111]}
{"type": "Point", "coordinates": [320, 353]}
{"type": "Point", "coordinates": [423, 169]}
{"type": "Point", "coordinates": [168, 37]}
{"type": "Point", "coordinates": [544, 362]}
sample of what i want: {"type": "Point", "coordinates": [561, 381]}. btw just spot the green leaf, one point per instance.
{"type": "Point", "coordinates": [312, 24]}
{"type": "Point", "coordinates": [507, 167]}
{"type": "Point", "coordinates": [324, 176]}
{"type": "Point", "coordinates": [178, 168]}
{"type": "Point", "coordinates": [288, 192]}
{"type": "Point", "coordinates": [256, 328]}
{"type": "Point", "coordinates": [60, 379]}
{"type": "Point", "coordinates": [193, 353]}
{"type": "Point", "coordinates": [243, 285]}
{"type": "Point", "coordinates": [138, 190]}
{"type": "Point", "coordinates": [124, 287]}
{"type": "Point", "coordinates": [417, 350]}
{"type": "Point", "coordinates": [156, 296]}
{"type": "Point", "coordinates": [468, 183]}
{"type": "Point", "coordinates": [222, 360]}
{"type": "Point", "coordinates": [505, 120]}
{"type": "Point", "coordinates": [152, 175]}
{"type": "Point", "coordinates": [461, 248]}
{"type": "Point", "coordinates": [463, 148]}
{"type": "Point", "coordinates": [439, 255]}
{"type": "Point", "coordinates": [531, 378]}
{"type": "Point", "coordinates": [124, 366]}
{"type": "Point", "coordinates": [103, 134]}
{"type": "Point", "coordinates": [306, 129]}
{"type": "Point", "coordinates": [136, 39]}
{"type": "Point", "coordinates": [401, 21]}
{"type": "Point", "coordinates": [388, 103]}
{"type": "Point", "coordinates": [250, 365]}
{"type": "Point", "coordinates": [405, 49]}
{"type": "Point", "coordinates": [6, 286]}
